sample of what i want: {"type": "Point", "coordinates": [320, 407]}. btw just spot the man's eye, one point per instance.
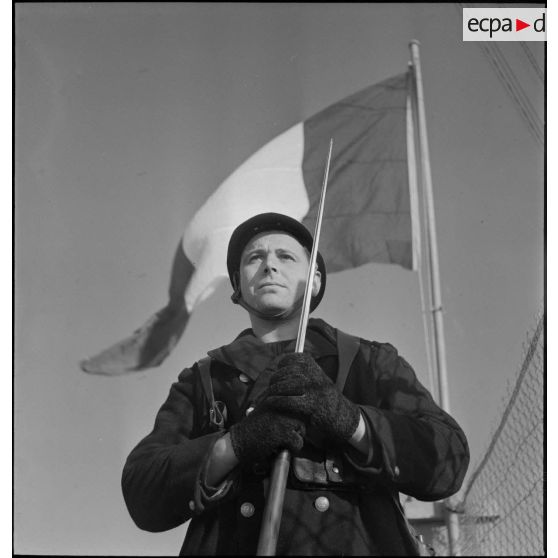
{"type": "Point", "coordinates": [287, 257]}
{"type": "Point", "coordinates": [254, 257]}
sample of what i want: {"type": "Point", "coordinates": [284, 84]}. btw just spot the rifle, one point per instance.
{"type": "Point", "coordinates": [271, 519]}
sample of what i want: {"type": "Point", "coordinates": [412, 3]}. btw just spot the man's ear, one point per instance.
{"type": "Point", "coordinates": [316, 286]}
{"type": "Point", "coordinates": [237, 295]}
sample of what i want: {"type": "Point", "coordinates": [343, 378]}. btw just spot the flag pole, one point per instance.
{"type": "Point", "coordinates": [271, 519]}
{"type": "Point", "coordinates": [452, 520]}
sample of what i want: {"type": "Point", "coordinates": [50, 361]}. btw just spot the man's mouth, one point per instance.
{"type": "Point", "coordinates": [263, 285]}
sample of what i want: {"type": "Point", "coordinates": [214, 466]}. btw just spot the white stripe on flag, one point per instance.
{"type": "Point", "coordinates": [270, 180]}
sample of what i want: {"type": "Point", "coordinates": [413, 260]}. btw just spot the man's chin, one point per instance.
{"type": "Point", "coordinates": [272, 307]}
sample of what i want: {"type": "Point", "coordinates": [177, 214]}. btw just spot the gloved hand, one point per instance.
{"type": "Point", "coordinates": [300, 387]}
{"type": "Point", "coordinates": [264, 433]}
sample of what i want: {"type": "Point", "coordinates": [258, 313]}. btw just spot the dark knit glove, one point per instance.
{"type": "Point", "coordinates": [264, 433]}
{"type": "Point", "coordinates": [300, 387]}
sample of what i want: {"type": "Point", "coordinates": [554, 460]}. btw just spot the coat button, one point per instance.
{"type": "Point", "coordinates": [335, 469]}
{"type": "Point", "coordinates": [243, 378]}
{"type": "Point", "coordinates": [249, 410]}
{"type": "Point", "coordinates": [192, 505]}
{"type": "Point", "coordinates": [321, 503]}
{"type": "Point", "coordinates": [396, 471]}
{"type": "Point", "coordinates": [247, 509]}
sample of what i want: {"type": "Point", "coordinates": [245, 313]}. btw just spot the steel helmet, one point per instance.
{"type": "Point", "coordinates": [269, 222]}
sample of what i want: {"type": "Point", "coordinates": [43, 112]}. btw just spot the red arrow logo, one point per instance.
{"type": "Point", "coordinates": [519, 25]}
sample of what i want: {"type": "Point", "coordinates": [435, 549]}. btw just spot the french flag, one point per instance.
{"type": "Point", "coordinates": [370, 210]}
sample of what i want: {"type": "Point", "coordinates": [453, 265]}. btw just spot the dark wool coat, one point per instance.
{"type": "Point", "coordinates": [338, 501]}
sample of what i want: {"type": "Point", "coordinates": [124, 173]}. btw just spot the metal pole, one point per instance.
{"type": "Point", "coordinates": [271, 520]}
{"type": "Point", "coordinates": [440, 350]}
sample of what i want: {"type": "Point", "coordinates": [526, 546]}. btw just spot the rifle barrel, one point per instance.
{"type": "Point", "coordinates": [271, 520]}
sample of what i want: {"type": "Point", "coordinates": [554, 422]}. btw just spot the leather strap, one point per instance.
{"type": "Point", "coordinates": [347, 348]}
{"type": "Point", "coordinates": [217, 409]}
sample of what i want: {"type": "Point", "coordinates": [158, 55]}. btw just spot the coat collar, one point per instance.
{"type": "Point", "coordinates": [250, 355]}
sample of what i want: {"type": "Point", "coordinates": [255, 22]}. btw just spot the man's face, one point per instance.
{"type": "Point", "coordinates": [273, 270]}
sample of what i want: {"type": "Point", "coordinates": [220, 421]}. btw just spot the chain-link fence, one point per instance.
{"type": "Point", "coordinates": [501, 512]}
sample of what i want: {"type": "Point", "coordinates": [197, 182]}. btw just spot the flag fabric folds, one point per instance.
{"type": "Point", "coordinates": [369, 210]}
{"type": "Point", "coordinates": [367, 214]}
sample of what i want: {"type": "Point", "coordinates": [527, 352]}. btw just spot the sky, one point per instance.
{"type": "Point", "coordinates": [127, 116]}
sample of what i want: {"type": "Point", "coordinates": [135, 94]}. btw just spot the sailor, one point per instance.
{"type": "Point", "coordinates": [360, 431]}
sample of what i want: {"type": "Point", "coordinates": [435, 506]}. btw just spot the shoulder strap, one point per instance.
{"type": "Point", "coordinates": [204, 366]}
{"type": "Point", "coordinates": [217, 411]}
{"type": "Point", "coordinates": [347, 348]}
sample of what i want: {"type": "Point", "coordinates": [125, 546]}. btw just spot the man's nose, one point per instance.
{"type": "Point", "coordinates": [270, 265]}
